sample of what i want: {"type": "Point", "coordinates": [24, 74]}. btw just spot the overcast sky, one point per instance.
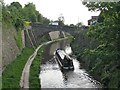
{"type": "Point", "coordinates": [72, 10]}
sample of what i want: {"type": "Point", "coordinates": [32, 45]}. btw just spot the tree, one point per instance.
{"type": "Point", "coordinates": [17, 15]}
{"type": "Point", "coordinates": [79, 24]}
{"type": "Point", "coordinates": [106, 56]}
{"type": "Point", "coordinates": [72, 25]}
{"type": "Point", "coordinates": [17, 5]}
{"type": "Point", "coordinates": [29, 12]}
{"type": "Point", "coordinates": [61, 20]}
{"type": "Point", "coordinates": [39, 16]}
{"type": "Point", "coordinates": [0, 11]}
{"type": "Point", "coordinates": [45, 21]}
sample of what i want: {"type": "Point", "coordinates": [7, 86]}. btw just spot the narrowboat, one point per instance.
{"type": "Point", "coordinates": [64, 60]}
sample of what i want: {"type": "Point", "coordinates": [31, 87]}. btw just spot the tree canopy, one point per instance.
{"type": "Point", "coordinates": [105, 58]}
{"type": "Point", "coordinates": [16, 14]}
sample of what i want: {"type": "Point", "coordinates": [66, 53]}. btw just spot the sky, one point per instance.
{"type": "Point", "coordinates": [72, 10]}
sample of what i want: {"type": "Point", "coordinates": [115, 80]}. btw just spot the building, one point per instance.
{"type": "Point", "coordinates": [56, 23]}
{"type": "Point", "coordinates": [93, 20]}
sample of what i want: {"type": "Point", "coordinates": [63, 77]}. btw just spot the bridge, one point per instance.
{"type": "Point", "coordinates": [37, 31]}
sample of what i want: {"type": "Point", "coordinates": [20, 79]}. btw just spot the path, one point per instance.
{"type": "Point", "coordinates": [24, 82]}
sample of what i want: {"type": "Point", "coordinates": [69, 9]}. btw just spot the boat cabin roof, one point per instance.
{"type": "Point", "coordinates": [62, 54]}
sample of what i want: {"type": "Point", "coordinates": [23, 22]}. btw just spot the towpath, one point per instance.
{"type": "Point", "coordinates": [24, 82]}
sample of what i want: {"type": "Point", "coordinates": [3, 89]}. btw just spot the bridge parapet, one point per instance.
{"type": "Point", "coordinates": [39, 30]}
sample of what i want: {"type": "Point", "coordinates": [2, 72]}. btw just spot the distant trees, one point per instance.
{"type": "Point", "coordinates": [79, 24]}
{"type": "Point", "coordinates": [72, 25]}
{"type": "Point", "coordinates": [61, 20]}
{"type": "Point", "coordinates": [17, 5]}
{"type": "Point", "coordinates": [0, 11]}
{"type": "Point", "coordinates": [16, 14]}
{"type": "Point", "coordinates": [29, 12]}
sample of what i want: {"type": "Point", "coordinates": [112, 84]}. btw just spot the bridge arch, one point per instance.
{"type": "Point", "coordinates": [38, 30]}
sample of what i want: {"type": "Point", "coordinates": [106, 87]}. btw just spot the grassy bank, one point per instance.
{"type": "Point", "coordinates": [12, 73]}
{"type": "Point", "coordinates": [34, 81]}
{"type": "Point", "coordinates": [18, 39]}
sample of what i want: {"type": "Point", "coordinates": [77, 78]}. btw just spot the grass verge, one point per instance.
{"type": "Point", "coordinates": [34, 81]}
{"type": "Point", "coordinates": [12, 74]}
{"type": "Point", "coordinates": [18, 39]}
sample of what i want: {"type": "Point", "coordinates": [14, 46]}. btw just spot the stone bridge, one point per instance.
{"type": "Point", "coordinates": [38, 30]}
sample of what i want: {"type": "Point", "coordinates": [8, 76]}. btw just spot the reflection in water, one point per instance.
{"type": "Point", "coordinates": [52, 77]}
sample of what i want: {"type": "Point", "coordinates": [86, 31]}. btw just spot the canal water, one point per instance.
{"type": "Point", "coordinates": [52, 77]}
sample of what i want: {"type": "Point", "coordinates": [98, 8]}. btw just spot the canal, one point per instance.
{"type": "Point", "coordinates": [52, 77]}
